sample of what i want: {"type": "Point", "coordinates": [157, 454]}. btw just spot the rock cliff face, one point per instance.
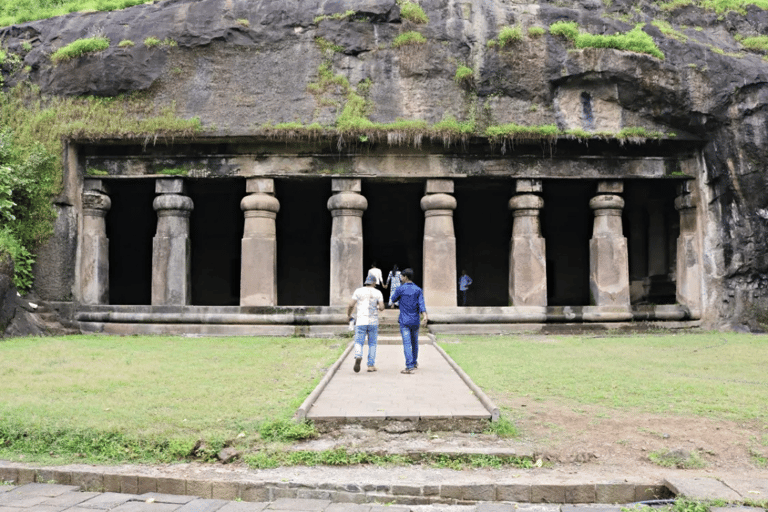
{"type": "Point", "coordinates": [241, 64]}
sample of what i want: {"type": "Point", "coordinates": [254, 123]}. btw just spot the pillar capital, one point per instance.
{"type": "Point", "coordinates": [260, 202]}
{"type": "Point", "coordinates": [607, 204]}
{"type": "Point", "coordinates": [170, 186]}
{"type": "Point", "coordinates": [96, 203]}
{"type": "Point", "coordinates": [438, 201]}
{"type": "Point", "coordinates": [526, 202]}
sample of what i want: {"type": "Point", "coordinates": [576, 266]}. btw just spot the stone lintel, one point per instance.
{"type": "Point", "coordinates": [95, 185]}
{"type": "Point", "coordinates": [346, 185]}
{"type": "Point", "coordinates": [528, 186]}
{"type": "Point", "coordinates": [259, 185]}
{"type": "Point", "coordinates": [170, 186]}
{"type": "Point", "coordinates": [439, 186]}
{"type": "Point", "coordinates": [610, 187]}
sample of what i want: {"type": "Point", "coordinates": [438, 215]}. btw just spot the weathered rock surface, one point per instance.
{"type": "Point", "coordinates": [238, 64]}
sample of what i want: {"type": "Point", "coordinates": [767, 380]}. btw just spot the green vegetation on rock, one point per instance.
{"type": "Point", "coordinates": [634, 41]}
{"type": "Point", "coordinates": [32, 127]}
{"type": "Point", "coordinates": [79, 48]}
{"type": "Point", "coordinates": [509, 35]}
{"type": "Point", "coordinates": [21, 11]}
{"type": "Point", "coordinates": [758, 43]}
{"type": "Point", "coordinates": [126, 43]}
{"type": "Point", "coordinates": [407, 38]}
{"type": "Point", "coordinates": [463, 74]}
{"type": "Point", "coordinates": [337, 16]}
{"type": "Point", "coordinates": [413, 12]}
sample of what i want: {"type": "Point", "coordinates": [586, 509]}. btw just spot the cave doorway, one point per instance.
{"type": "Point", "coordinates": [216, 231]}
{"type": "Point", "coordinates": [130, 225]}
{"type": "Point", "coordinates": [483, 225]}
{"type": "Point", "coordinates": [393, 227]}
{"type": "Point", "coordinates": [303, 242]}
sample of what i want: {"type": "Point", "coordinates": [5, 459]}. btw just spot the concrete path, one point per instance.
{"type": "Point", "coordinates": [435, 393]}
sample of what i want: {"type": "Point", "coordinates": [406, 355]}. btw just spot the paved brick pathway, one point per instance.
{"type": "Point", "coordinates": [435, 391]}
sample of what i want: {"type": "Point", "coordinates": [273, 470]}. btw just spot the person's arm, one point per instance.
{"type": "Point", "coordinates": [423, 307]}
{"type": "Point", "coordinates": [351, 307]}
{"type": "Point", "coordinates": [395, 295]}
{"type": "Point", "coordinates": [380, 304]}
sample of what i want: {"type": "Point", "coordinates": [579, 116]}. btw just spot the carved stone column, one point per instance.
{"type": "Point", "coordinates": [688, 255]}
{"type": "Point", "coordinates": [608, 257]}
{"type": "Point", "coordinates": [171, 250]}
{"type": "Point", "coordinates": [347, 207]}
{"type": "Point", "coordinates": [258, 271]}
{"type": "Point", "coordinates": [527, 255]}
{"type": "Point", "coordinates": [94, 256]}
{"type": "Point", "coordinates": [439, 244]}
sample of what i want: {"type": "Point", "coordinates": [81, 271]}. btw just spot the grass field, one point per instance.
{"type": "Point", "coordinates": [145, 399]}
{"type": "Point", "coordinates": [715, 375]}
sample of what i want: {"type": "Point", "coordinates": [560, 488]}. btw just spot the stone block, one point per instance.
{"type": "Point", "coordinates": [439, 187]}
{"type": "Point", "coordinates": [346, 185]}
{"type": "Point", "coordinates": [610, 187]}
{"type": "Point", "coordinates": [26, 476]}
{"type": "Point", "coordinates": [9, 474]}
{"type": "Point", "coordinates": [299, 505]}
{"type": "Point", "coordinates": [88, 481]}
{"type": "Point", "coordinates": [431, 490]}
{"type": "Point", "coordinates": [406, 490]}
{"type": "Point", "coordinates": [171, 486]}
{"type": "Point", "coordinates": [614, 493]}
{"type": "Point", "coordinates": [528, 186]}
{"type": "Point", "coordinates": [62, 477]}
{"type": "Point", "coordinates": [94, 185]}
{"type": "Point", "coordinates": [170, 186]}
{"type": "Point", "coordinates": [451, 491]}
{"type": "Point", "coordinates": [112, 483]}
{"type": "Point", "coordinates": [260, 185]}
{"type": "Point", "coordinates": [146, 484]}
{"type": "Point", "coordinates": [651, 492]}
{"type": "Point", "coordinates": [129, 484]}
{"type": "Point", "coordinates": [701, 488]}
{"type": "Point", "coordinates": [278, 493]}
{"type": "Point", "coordinates": [548, 494]}
{"type": "Point", "coordinates": [254, 492]}
{"type": "Point", "coordinates": [496, 507]}
{"type": "Point", "coordinates": [479, 492]}
{"type": "Point", "coordinates": [513, 492]}
{"type": "Point", "coordinates": [347, 497]}
{"type": "Point", "coordinates": [313, 494]}
{"type": "Point", "coordinates": [347, 507]}
{"type": "Point", "coordinates": [580, 493]}
{"type": "Point", "coordinates": [202, 488]}
{"type": "Point", "coordinates": [225, 490]}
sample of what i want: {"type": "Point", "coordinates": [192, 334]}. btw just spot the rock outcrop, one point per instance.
{"type": "Point", "coordinates": [241, 64]}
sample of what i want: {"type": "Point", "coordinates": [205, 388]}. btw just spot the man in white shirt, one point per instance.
{"type": "Point", "coordinates": [367, 302]}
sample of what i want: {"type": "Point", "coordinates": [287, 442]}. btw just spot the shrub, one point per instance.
{"type": "Point", "coordinates": [244, 22]}
{"type": "Point", "coordinates": [759, 43]}
{"type": "Point", "coordinates": [509, 35]}
{"type": "Point", "coordinates": [80, 47]}
{"type": "Point", "coordinates": [151, 42]}
{"type": "Point", "coordinates": [126, 43]}
{"type": "Point", "coordinates": [634, 41]}
{"type": "Point", "coordinates": [567, 29]}
{"type": "Point", "coordinates": [413, 12]}
{"type": "Point", "coordinates": [463, 74]}
{"type": "Point", "coordinates": [407, 38]}
{"type": "Point", "coordinates": [536, 32]}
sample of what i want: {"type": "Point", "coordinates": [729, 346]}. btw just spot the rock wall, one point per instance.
{"type": "Point", "coordinates": [241, 64]}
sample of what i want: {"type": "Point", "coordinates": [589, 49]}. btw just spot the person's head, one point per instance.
{"type": "Point", "coordinates": [463, 272]}
{"type": "Point", "coordinates": [395, 269]}
{"type": "Point", "coordinates": [373, 265]}
{"type": "Point", "coordinates": [408, 274]}
{"type": "Point", "coordinates": [370, 281]}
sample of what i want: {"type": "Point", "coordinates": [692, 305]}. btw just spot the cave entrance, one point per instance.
{"type": "Point", "coordinates": [130, 225]}
{"type": "Point", "coordinates": [483, 225]}
{"type": "Point", "coordinates": [216, 231]}
{"type": "Point", "coordinates": [393, 227]}
{"type": "Point", "coordinates": [303, 242]}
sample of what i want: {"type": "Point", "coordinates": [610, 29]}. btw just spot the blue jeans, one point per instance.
{"type": "Point", "coordinates": [410, 334]}
{"type": "Point", "coordinates": [373, 335]}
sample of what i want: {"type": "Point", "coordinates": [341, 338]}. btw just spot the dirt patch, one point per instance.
{"type": "Point", "coordinates": [589, 440]}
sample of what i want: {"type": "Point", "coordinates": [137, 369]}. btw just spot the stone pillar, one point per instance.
{"type": "Point", "coordinates": [347, 207]}
{"type": "Point", "coordinates": [688, 256]}
{"type": "Point", "coordinates": [638, 261]}
{"type": "Point", "coordinates": [258, 271]}
{"type": "Point", "coordinates": [94, 255]}
{"type": "Point", "coordinates": [171, 251]}
{"type": "Point", "coordinates": [527, 255]}
{"type": "Point", "coordinates": [439, 244]}
{"type": "Point", "coordinates": [608, 257]}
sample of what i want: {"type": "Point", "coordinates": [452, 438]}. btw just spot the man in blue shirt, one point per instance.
{"type": "Point", "coordinates": [464, 282]}
{"type": "Point", "coordinates": [411, 299]}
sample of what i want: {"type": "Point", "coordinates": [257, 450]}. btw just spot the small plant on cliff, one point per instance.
{"type": "Point", "coordinates": [151, 42]}
{"type": "Point", "coordinates": [536, 32]}
{"type": "Point", "coordinates": [757, 43]}
{"type": "Point", "coordinates": [567, 29]}
{"type": "Point", "coordinates": [243, 22]}
{"type": "Point", "coordinates": [126, 43]}
{"type": "Point", "coordinates": [510, 35]}
{"type": "Point", "coordinates": [408, 38]}
{"type": "Point", "coordinates": [413, 12]}
{"type": "Point", "coordinates": [634, 41]}
{"type": "Point", "coordinates": [337, 16]}
{"type": "Point", "coordinates": [464, 75]}
{"type": "Point", "coordinates": [79, 47]}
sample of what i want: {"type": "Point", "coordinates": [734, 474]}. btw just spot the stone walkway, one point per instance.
{"type": "Point", "coordinates": [435, 395]}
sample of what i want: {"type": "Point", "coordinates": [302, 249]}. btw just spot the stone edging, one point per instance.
{"type": "Point", "coordinates": [301, 413]}
{"type": "Point", "coordinates": [479, 393]}
{"type": "Point", "coordinates": [260, 491]}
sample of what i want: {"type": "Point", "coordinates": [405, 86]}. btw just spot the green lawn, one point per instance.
{"type": "Point", "coordinates": [154, 388]}
{"type": "Point", "coordinates": [715, 375]}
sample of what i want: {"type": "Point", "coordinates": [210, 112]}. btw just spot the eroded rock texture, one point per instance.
{"type": "Point", "coordinates": [238, 64]}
